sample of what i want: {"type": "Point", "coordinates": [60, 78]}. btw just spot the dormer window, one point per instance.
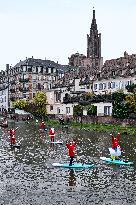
{"type": "Point", "coordinates": [113, 73]}
{"type": "Point", "coordinates": [98, 75]}
{"type": "Point", "coordinates": [120, 72]}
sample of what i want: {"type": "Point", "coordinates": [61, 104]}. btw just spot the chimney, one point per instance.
{"type": "Point", "coordinates": [7, 66]}
{"type": "Point", "coordinates": [32, 56]}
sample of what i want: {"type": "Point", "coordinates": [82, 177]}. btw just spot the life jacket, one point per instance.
{"type": "Point", "coordinates": [71, 148]}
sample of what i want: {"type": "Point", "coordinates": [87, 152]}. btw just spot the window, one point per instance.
{"type": "Point", "coordinates": [88, 86]}
{"type": "Point", "coordinates": [24, 68]}
{"type": "Point", "coordinates": [95, 86]}
{"type": "Point", "coordinates": [129, 82]}
{"type": "Point", "coordinates": [34, 85]}
{"type": "Point", "coordinates": [98, 75]}
{"type": "Point", "coordinates": [51, 70]}
{"type": "Point", "coordinates": [113, 73]}
{"type": "Point", "coordinates": [30, 69]}
{"type": "Point", "coordinates": [67, 110]}
{"type": "Point", "coordinates": [58, 110]}
{"type": "Point", "coordinates": [120, 72]}
{"type": "Point", "coordinates": [100, 86]}
{"type": "Point", "coordinates": [104, 85]}
{"type": "Point", "coordinates": [113, 84]}
{"type": "Point", "coordinates": [51, 107]}
{"type": "Point", "coordinates": [109, 85]}
{"type": "Point", "coordinates": [107, 110]}
{"type": "Point", "coordinates": [46, 70]}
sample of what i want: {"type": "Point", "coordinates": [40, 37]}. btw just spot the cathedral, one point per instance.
{"type": "Point", "coordinates": [93, 60]}
{"type": "Point", "coordinates": [91, 63]}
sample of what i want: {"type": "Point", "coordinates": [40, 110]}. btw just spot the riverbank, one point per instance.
{"type": "Point", "coordinates": [127, 129]}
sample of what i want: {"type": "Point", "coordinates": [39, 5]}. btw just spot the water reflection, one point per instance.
{"type": "Point", "coordinates": [72, 178]}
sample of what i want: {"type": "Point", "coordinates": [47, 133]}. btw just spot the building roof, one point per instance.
{"type": "Point", "coordinates": [45, 63]}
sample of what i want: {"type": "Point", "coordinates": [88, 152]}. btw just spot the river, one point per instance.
{"type": "Point", "coordinates": [28, 177]}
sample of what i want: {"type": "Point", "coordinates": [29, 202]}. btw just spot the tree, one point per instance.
{"type": "Point", "coordinates": [40, 102]}
{"type": "Point", "coordinates": [37, 106]}
{"type": "Point", "coordinates": [77, 111]}
{"type": "Point", "coordinates": [20, 104]}
{"type": "Point", "coordinates": [131, 100]}
{"type": "Point", "coordinates": [120, 107]}
{"type": "Point", "coordinates": [130, 88]}
{"type": "Point", "coordinates": [91, 110]}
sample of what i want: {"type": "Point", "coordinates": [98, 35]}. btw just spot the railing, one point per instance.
{"type": "Point", "coordinates": [23, 89]}
{"type": "Point", "coordinates": [22, 80]}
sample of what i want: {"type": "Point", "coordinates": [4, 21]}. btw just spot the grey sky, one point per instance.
{"type": "Point", "coordinates": [55, 29]}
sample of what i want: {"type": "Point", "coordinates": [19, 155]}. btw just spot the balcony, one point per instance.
{"type": "Point", "coordinates": [23, 90]}
{"type": "Point", "coordinates": [22, 80]}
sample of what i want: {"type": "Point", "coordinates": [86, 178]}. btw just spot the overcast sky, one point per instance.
{"type": "Point", "coordinates": [55, 29]}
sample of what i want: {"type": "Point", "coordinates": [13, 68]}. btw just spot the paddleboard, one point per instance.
{"type": "Point", "coordinates": [56, 142]}
{"type": "Point", "coordinates": [115, 161]}
{"type": "Point", "coordinates": [76, 165]}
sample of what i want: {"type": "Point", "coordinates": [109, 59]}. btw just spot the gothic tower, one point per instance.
{"type": "Point", "coordinates": [94, 41]}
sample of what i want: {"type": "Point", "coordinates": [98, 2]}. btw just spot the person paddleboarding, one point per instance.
{"type": "Point", "coordinates": [42, 125]}
{"type": "Point", "coordinates": [71, 148]}
{"type": "Point", "coordinates": [115, 151]}
{"type": "Point", "coordinates": [12, 133]}
{"type": "Point", "coordinates": [52, 134]}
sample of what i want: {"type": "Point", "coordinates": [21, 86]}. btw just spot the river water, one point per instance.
{"type": "Point", "coordinates": [28, 177]}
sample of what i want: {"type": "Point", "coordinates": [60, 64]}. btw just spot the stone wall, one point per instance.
{"type": "Point", "coordinates": [99, 120]}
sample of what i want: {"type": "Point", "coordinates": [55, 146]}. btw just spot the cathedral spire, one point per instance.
{"type": "Point", "coordinates": [94, 40]}
{"type": "Point", "coordinates": [93, 13]}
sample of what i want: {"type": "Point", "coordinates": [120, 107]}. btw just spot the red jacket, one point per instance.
{"type": "Point", "coordinates": [12, 132]}
{"type": "Point", "coordinates": [13, 140]}
{"type": "Point", "coordinates": [42, 125]}
{"type": "Point", "coordinates": [71, 148]}
{"type": "Point", "coordinates": [115, 141]}
{"type": "Point", "coordinates": [51, 133]}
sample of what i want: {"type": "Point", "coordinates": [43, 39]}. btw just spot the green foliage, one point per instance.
{"type": "Point", "coordinates": [40, 102]}
{"type": "Point", "coordinates": [118, 96]}
{"type": "Point", "coordinates": [20, 104]}
{"type": "Point", "coordinates": [120, 107]}
{"type": "Point", "coordinates": [131, 100]}
{"type": "Point", "coordinates": [91, 110]}
{"type": "Point", "coordinates": [77, 111]}
{"type": "Point", "coordinates": [36, 107]}
{"type": "Point", "coordinates": [130, 88]}
{"type": "Point", "coordinates": [120, 110]}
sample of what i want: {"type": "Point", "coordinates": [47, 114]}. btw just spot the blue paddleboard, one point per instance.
{"type": "Point", "coordinates": [56, 142]}
{"type": "Point", "coordinates": [76, 165]}
{"type": "Point", "coordinates": [115, 161]}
